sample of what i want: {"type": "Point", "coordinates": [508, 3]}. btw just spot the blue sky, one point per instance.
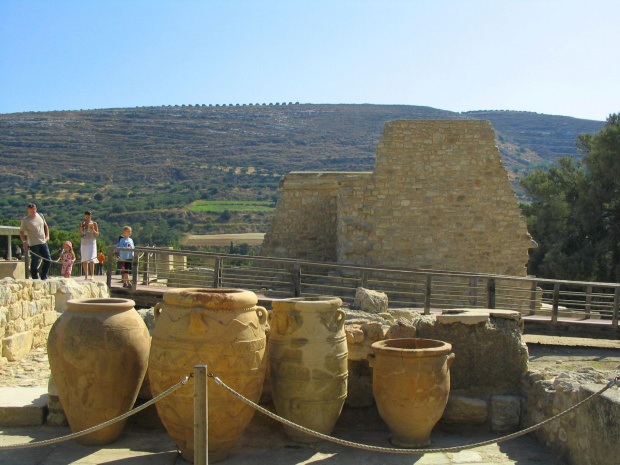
{"type": "Point", "coordinates": [548, 56]}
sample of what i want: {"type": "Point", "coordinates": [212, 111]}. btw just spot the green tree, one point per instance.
{"type": "Point", "coordinates": [574, 215]}
{"type": "Point", "coordinates": [554, 223]}
{"type": "Point", "coordinates": [225, 216]}
{"type": "Point", "coordinates": [602, 160]}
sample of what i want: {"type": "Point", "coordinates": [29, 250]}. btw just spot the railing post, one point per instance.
{"type": "Point", "coordinates": [297, 280]}
{"type": "Point", "coordinates": [364, 279]}
{"type": "Point", "coordinates": [588, 301]}
{"type": "Point", "coordinates": [614, 318]}
{"type": "Point", "coordinates": [556, 302]}
{"type": "Point", "coordinates": [134, 271]}
{"type": "Point", "coordinates": [155, 265]}
{"type": "Point", "coordinates": [491, 293]}
{"type": "Point", "coordinates": [473, 294]}
{"type": "Point", "coordinates": [533, 294]}
{"type": "Point", "coordinates": [427, 295]}
{"type": "Point", "coordinates": [217, 273]}
{"type": "Point", "coordinates": [201, 416]}
{"type": "Point", "coordinates": [145, 272]}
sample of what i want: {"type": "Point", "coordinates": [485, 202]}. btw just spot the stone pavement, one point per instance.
{"type": "Point", "coordinates": [265, 442]}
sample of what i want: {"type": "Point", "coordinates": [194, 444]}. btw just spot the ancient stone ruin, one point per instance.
{"type": "Point", "coordinates": [439, 198]}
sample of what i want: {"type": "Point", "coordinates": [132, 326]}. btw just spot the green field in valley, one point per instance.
{"type": "Point", "coordinates": [232, 206]}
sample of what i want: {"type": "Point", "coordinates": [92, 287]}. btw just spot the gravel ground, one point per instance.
{"type": "Point", "coordinates": [570, 354]}
{"type": "Point", "coordinates": [31, 371]}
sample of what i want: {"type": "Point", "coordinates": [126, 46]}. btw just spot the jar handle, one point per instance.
{"type": "Point", "coordinates": [340, 317]}
{"type": "Point", "coordinates": [450, 359]}
{"type": "Point", "coordinates": [157, 310]}
{"type": "Point", "coordinates": [371, 359]}
{"type": "Point", "coordinates": [262, 315]}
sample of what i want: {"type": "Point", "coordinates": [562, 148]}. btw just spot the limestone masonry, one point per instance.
{"type": "Point", "coordinates": [29, 308]}
{"type": "Point", "coordinates": [439, 198]}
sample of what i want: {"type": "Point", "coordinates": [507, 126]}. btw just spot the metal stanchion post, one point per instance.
{"type": "Point", "coordinates": [27, 262]}
{"type": "Point", "coordinates": [201, 416]}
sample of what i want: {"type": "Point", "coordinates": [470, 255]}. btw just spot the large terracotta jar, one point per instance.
{"type": "Point", "coordinates": [308, 363]}
{"type": "Point", "coordinates": [98, 352]}
{"type": "Point", "coordinates": [411, 384]}
{"type": "Point", "coordinates": [220, 328]}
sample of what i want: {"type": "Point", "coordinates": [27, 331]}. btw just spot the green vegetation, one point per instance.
{"type": "Point", "coordinates": [575, 213]}
{"type": "Point", "coordinates": [156, 218]}
{"type": "Point", "coordinates": [223, 205]}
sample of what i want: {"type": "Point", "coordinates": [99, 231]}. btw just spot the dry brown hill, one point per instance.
{"type": "Point", "coordinates": [148, 165]}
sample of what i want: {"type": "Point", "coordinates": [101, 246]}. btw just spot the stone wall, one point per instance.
{"type": "Point", "coordinates": [587, 436]}
{"type": "Point", "coordinates": [28, 308]}
{"type": "Point", "coordinates": [486, 376]}
{"type": "Point", "coordinates": [439, 198]}
{"type": "Point", "coordinates": [304, 225]}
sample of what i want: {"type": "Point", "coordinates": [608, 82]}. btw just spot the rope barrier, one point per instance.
{"type": "Point", "coordinates": [56, 261]}
{"type": "Point", "coordinates": [28, 445]}
{"type": "Point", "coordinates": [408, 451]}
{"type": "Point", "coordinates": [42, 258]}
{"type": "Point", "coordinates": [303, 429]}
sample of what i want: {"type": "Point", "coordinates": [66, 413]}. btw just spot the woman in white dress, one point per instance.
{"type": "Point", "coordinates": [89, 231]}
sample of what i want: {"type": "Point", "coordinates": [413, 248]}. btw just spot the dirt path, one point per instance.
{"type": "Point", "coordinates": [570, 341]}
{"type": "Point", "coordinates": [572, 354]}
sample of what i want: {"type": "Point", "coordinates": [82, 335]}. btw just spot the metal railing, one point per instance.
{"type": "Point", "coordinates": [406, 288]}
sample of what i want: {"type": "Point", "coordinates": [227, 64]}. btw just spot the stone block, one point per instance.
{"type": "Point", "coordinates": [22, 406]}
{"type": "Point", "coordinates": [49, 318]}
{"type": "Point", "coordinates": [13, 269]}
{"type": "Point", "coordinates": [462, 316]}
{"type": "Point", "coordinates": [17, 346]}
{"type": "Point", "coordinates": [361, 334]}
{"type": "Point", "coordinates": [370, 301]}
{"type": "Point", "coordinates": [401, 329]}
{"type": "Point", "coordinates": [505, 413]}
{"type": "Point", "coordinates": [55, 412]}
{"type": "Point", "coordinates": [15, 310]}
{"type": "Point", "coordinates": [465, 410]}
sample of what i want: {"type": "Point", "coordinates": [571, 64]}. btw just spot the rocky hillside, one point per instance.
{"type": "Point", "coordinates": [144, 144]}
{"type": "Point", "coordinates": [130, 164]}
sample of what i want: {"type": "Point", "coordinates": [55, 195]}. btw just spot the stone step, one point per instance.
{"type": "Point", "coordinates": [23, 406]}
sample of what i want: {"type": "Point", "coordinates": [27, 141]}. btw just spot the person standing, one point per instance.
{"type": "Point", "coordinates": [67, 257]}
{"type": "Point", "coordinates": [89, 231]}
{"type": "Point", "coordinates": [100, 259]}
{"type": "Point", "coordinates": [35, 234]}
{"type": "Point", "coordinates": [126, 256]}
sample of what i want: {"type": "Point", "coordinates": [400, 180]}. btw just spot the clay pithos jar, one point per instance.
{"type": "Point", "coordinates": [98, 352]}
{"type": "Point", "coordinates": [411, 384]}
{"type": "Point", "coordinates": [308, 363]}
{"type": "Point", "coordinates": [224, 330]}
